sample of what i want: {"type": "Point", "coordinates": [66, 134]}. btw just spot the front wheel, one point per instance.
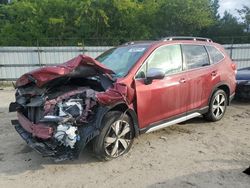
{"type": "Point", "coordinates": [116, 137]}
{"type": "Point", "coordinates": [217, 106]}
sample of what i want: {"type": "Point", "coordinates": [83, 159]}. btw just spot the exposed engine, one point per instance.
{"type": "Point", "coordinates": [66, 132]}
{"type": "Point", "coordinates": [71, 108]}
{"type": "Point", "coordinates": [69, 111]}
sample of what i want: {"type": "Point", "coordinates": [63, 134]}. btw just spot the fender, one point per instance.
{"type": "Point", "coordinates": [103, 110]}
{"type": "Point", "coordinates": [93, 129]}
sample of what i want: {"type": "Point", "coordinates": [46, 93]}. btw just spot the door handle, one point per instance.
{"type": "Point", "coordinates": [182, 80]}
{"type": "Point", "coordinates": [214, 73]}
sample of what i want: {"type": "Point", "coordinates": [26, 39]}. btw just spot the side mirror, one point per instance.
{"type": "Point", "coordinates": [154, 73]}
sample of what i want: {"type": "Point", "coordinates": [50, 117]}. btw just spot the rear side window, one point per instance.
{"type": "Point", "coordinates": [215, 54]}
{"type": "Point", "coordinates": [195, 56]}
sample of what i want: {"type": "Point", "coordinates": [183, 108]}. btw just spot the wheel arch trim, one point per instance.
{"type": "Point", "coordinates": [219, 86]}
{"type": "Point", "coordinates": [120, 106]}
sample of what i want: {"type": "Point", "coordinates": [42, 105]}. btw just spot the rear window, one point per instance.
{"type": "Point", "coordinates": [215, 54]}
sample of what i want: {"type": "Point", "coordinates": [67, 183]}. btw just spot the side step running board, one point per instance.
{"type": "Point", "coordinates": [169, 123]}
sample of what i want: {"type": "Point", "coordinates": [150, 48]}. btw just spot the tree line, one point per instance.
{"type": "Point", "coordinates": [110, 22]}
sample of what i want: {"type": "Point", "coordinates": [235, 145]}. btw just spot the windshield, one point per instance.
{"type": "Point", "coordinates": [120, 60]}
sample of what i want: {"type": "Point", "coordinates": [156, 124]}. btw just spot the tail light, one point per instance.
{"type": "Point", "coordinates": [234, 67]}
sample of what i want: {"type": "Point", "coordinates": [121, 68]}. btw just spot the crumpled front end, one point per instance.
{"type": "Point", "coordinates": [59, 116]}
{"type": "Point", "coordinates": [55, 125]}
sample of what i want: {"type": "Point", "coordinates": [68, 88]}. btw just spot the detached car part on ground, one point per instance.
{"type": "Point", "coordinates": [62, 108]}
{"type": "Point", "coordinates": [243, 84]}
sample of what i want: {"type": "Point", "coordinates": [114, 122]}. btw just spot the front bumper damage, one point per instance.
{"type": "Point", "coordinates": [34, 136]}
{"type": "Point", "coordinates": [57, 127]}
{"type": "Point", "coordinates": [41, 147]}
{"type": "Point", "coordinates": [60, 108]}
{"type": "Point", "coordinates": [39, 130]}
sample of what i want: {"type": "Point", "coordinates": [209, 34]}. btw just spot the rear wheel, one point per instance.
{"type": "Point", "coordinates": [116, 137]}
{"type": "Point", "coordinates": [217, 106]}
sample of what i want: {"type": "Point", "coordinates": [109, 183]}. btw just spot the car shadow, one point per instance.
{"type": "Point", "coordinates": [28, 160]}
{"type": "Point", "coordinates": [219, 178]}
{"type": "Point", "coordinates": [17, 157]}
{"type": "Point", "coordinates": [244, 102]}
{"type": "Point", "coordinates": [233, 177]}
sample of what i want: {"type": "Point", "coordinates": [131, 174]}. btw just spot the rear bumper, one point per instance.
{"type": "Point", "coordinates": [39, 130]}
{"type": "Point", "coordinates": [243, 90]}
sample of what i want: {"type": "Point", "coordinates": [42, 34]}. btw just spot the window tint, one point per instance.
{"type": "Point", "coordinates": [215, 54]}
{"type": "Point", "coordinates": [167, 58]}
{"type": "Point", "coordinates": [195, 56]}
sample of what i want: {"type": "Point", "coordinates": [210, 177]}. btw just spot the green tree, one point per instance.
{"type": "Point", "coordinates": [245, 15]}
{"type": "Point", "coordinates": [183, 17]}
{"type": "Point", "coordinates": [109, 22]}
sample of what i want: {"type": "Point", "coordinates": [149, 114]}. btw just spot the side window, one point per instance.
{"type": "Point", "coordinates": [142, 72]}
{"type": "Point", "coordinates": [215, 54]}
{"type": "Point", "coordinates": [195, 56]}
{"type": "Point", "coordinates": [167, 58]}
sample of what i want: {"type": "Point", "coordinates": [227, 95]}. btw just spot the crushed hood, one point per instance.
{"type": "Point", "coordinates": [43, 75]}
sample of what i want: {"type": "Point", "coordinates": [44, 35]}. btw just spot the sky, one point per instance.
{"type": "Point", "coordinates": [231, 5]}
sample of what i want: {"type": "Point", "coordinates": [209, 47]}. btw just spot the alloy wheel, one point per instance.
{"type": "Point", "coordinates": [219, 105]}
{"type": "Point", "coordinates": [118, 138]}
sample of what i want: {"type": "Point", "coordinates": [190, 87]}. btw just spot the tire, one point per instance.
{"type": "Point", "coordinates": [116, 137]}
{"type": "Point", "coordinates": [217, 106]}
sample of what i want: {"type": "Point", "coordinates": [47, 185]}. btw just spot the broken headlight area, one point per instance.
{"type": "Point", "coordinates": [57, 124]}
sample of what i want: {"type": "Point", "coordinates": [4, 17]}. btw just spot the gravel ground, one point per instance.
{"type": "Point", "coordinates": [192, 154]}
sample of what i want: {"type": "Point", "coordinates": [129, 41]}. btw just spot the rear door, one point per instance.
{"type": "Point", "coordinates": [200, 75]}
{"type": "Point", "coordinates": [165, 98]}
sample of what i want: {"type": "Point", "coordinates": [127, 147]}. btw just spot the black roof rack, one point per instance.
{"type": "Point", "coordinates": [186, 38]}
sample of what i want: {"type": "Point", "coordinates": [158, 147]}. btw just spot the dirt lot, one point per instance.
{"type": "Point", "coordinates": [192, 154]}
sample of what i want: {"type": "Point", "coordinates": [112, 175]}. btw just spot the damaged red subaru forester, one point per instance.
{"type": "Point", "coordinates": [135, 88]}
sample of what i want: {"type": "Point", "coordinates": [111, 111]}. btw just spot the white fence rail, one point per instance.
{"type": "Point", "coordinates": [15, 61]}
{"type": "Point", "coordinates": [240, 54]}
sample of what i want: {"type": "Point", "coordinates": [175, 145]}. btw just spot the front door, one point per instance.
{"type": "Point", "coordinates": [164, 98]}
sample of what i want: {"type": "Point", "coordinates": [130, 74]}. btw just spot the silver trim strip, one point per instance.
{"type": "Point", "coordinates": [179, 120]}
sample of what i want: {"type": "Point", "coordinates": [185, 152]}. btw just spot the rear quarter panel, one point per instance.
{"type": "Point", "coordinates": [227, 74]}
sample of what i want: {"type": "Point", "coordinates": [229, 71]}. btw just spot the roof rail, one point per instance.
{"type": "Point", "coordinates": [186, 38]}
{"type": "Point", "coordinates": [137, 42]}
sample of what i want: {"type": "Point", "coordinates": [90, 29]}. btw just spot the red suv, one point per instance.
{"type": "Point", "coordinates": [132, 89]}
